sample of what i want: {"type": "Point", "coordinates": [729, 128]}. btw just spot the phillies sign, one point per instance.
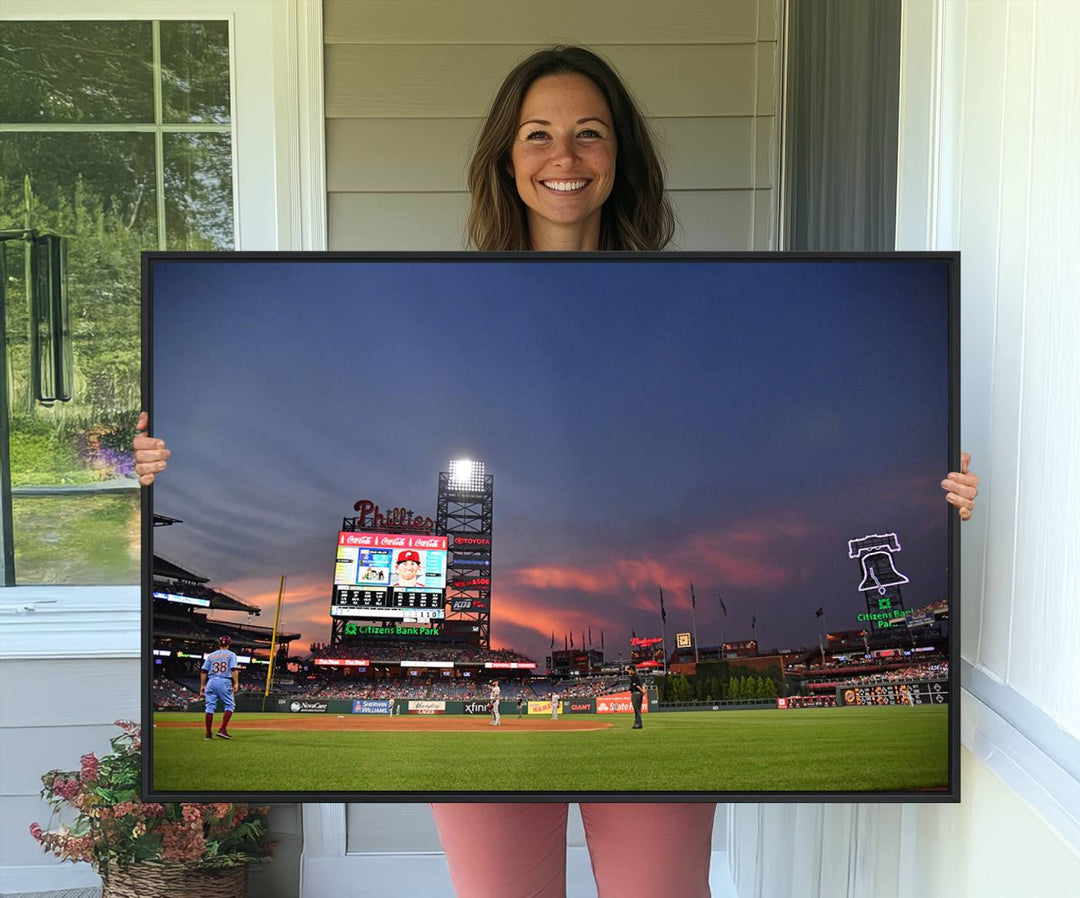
{"type": "Point", "coordinates": [395, 519]}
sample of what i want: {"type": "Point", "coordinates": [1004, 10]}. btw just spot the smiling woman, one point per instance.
{"type": "Point", "coordinates": [563, 117]}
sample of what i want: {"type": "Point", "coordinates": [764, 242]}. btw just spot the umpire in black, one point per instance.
{"type": "Point", "coordinates": [637, 692]}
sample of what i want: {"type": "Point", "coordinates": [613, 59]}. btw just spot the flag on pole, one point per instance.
{"type": "Point", "coordinates": [564, 642]}
{"type": "Point", "coordinates": [590, 637]}
{"type": "Point", "coordinates": [663, 613]}
{"type": "Point", "coordinates": [633, 634]}
{"type": "Point", "coordinates": [723, 607]}
{"type": "Point", "coordinates": [693, 598]}
{"type": "Point", "coordinates": [820, 611]}
{"type": "Point", "coordinates": [571, 639]}
{"type": "Point", "coordinates": [553, 639]}
{"type": "Point", "coordinates": [601, 640]}
{"type": "Point", "coordinates": [753, 623]}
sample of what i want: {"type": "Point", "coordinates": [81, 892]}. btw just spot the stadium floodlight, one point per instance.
{"type": "Point", "coordinates": [467, 475]}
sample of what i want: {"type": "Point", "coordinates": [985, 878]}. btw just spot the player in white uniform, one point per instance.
{"type": "Point", "coordinates": [495, 693]}
{"type": "Point", "coordinates": [554, 706]}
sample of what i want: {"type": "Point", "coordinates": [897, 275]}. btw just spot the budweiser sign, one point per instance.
{"type": "Point", "coordinates": [371, 517]}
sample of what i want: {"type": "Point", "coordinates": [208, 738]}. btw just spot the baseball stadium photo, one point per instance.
{"type": "Point", "coordinates": [719, 564]}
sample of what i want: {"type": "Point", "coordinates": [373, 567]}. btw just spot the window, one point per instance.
{"type": "Point", "coordinates": [116, 135]}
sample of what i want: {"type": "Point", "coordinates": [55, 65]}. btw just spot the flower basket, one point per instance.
{"type": "Point", "coordinates": [171, 880]}
{"type": "Point", "coordinates": [146, 849]}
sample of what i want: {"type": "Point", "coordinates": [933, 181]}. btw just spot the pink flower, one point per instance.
{"type": "Point", "coordinates": [153, 809]}
{"type": "Point", "coordinates": [65, 788]}
{"type": "Point", "coordinates": [36, 831]}
{"type": "Point", "coordinates": [192, 813]}
{"type": "Point", "coordinates": [89, 768]}
{"type": "Point", "coordinates": [181, 842]}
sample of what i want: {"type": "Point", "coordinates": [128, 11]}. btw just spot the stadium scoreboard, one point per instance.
{"type": "Point", "coordinates": [935, 692]}
{"type": "Point", "coordinates": [358, 602]}
{"type": "Point", "coordinates": [389, 575]}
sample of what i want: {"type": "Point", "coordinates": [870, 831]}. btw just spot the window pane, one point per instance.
{"type": "Point", "coordinates": [195, 71]}
{"type": "Point", "coordinates": [77, 539]}
{"type": "Point", "coordinates": [97, 190]}
{"type": "Point", "coordinates": [198, 192]}
{"type": "Point", "coordinates": [76, 72]}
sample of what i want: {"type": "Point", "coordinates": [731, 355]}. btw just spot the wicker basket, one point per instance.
{"type": "Point", "coordinates": [168, 880]}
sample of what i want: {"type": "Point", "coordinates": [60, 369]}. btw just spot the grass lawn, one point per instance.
{"type": "Point", "coordinates": [819, 749]}
{"type": "Point", "coordinates": [77, 539]}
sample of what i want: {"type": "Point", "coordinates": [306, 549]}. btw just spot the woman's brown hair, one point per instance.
{"type": "Point", "coordinates": [636, 216]}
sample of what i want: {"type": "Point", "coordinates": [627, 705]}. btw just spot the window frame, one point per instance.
{"type": "Point", "coordinates": [279, 204]}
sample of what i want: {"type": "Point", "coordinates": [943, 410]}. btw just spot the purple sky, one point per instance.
{"type": "Point", "coordinates": [646, 423]}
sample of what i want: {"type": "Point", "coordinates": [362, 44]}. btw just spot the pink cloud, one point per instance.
{"type": "Point", "coordinates": [745, 555]}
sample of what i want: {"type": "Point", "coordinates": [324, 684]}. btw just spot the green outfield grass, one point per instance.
{"type": "Point", "coordinates": [841, 749]}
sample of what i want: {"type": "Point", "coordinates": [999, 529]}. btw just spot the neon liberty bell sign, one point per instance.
{"type": "Point", "coordinates": [881, 580]}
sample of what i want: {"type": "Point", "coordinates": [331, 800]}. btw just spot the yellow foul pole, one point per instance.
{"type": "Point", "coordinates": [273, 640]}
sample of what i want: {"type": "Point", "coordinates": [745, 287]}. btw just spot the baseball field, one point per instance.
{"type": "Point", "coordinates": [892, 748]}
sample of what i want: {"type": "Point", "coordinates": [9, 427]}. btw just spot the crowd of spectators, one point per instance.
{"type": "Point", "coordinates": [395, 651]}
{"type": "Point", "coordinates": [930, 671]}
{"type": "Point", "coordinates": [167, 694]}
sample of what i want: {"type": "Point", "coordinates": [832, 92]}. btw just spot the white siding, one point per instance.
{"type": "Point", "coordinates": [408, 82]}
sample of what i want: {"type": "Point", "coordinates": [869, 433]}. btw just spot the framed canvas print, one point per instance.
{"type": "Point", "coordinates": [558, 526]}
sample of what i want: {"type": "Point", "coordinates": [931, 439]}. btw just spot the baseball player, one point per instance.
{"type": "Point", "coordinates": [495, 693]}
{"type": "Point", "coordinates": [219, 678]}
{"type": "Point", "coordinates": [637, 694]}
{"type": "Point", "coordinates": [520, 706]}
{"type": "Point", "coordinates": [554, 706]}
{"type": "Point", "coordinates": [407, 570]}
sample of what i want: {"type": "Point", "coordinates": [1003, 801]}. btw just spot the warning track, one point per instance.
{"type": "Point", "coordinates": [412, 723]}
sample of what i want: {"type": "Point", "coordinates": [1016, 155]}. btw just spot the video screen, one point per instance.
{"type": "Point", "coordinates": [676, 513]}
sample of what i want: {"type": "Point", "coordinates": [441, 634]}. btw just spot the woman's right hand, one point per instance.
{"type": "Point", "coordinates": [150, 453]}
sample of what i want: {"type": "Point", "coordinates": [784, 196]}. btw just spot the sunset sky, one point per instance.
{"type": "Point", "coordinates": [646, 424]}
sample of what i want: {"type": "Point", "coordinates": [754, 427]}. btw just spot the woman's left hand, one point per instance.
{"type": "Point", "coordinates": [961, 487]}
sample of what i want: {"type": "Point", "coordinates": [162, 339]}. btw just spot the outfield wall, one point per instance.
{"type": "Point", "coordinates": [508, 707]}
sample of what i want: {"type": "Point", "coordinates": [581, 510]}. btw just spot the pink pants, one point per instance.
{"type": "Point", "coordinates": [519, 850]}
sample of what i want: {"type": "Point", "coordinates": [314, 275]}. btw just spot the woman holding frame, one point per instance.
{"type": "Point", "coordinates": [565, 162]}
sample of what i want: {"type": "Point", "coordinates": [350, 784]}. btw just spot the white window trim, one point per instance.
{"type": "Point", "coordinates": [1011, 735]}
{"type": "Point", "coordinates": [277, 92]}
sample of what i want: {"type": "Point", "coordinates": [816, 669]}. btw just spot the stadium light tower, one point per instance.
{"type": "Point", "coordinates": [467, 475]}
{"type": "Point", "coordinates": [463, 514]}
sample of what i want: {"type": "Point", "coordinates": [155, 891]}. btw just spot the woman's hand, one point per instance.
{"type": "Point", "coordinates": [961, 487]}
{"type": "Point", "coordinates": [150, 453]}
